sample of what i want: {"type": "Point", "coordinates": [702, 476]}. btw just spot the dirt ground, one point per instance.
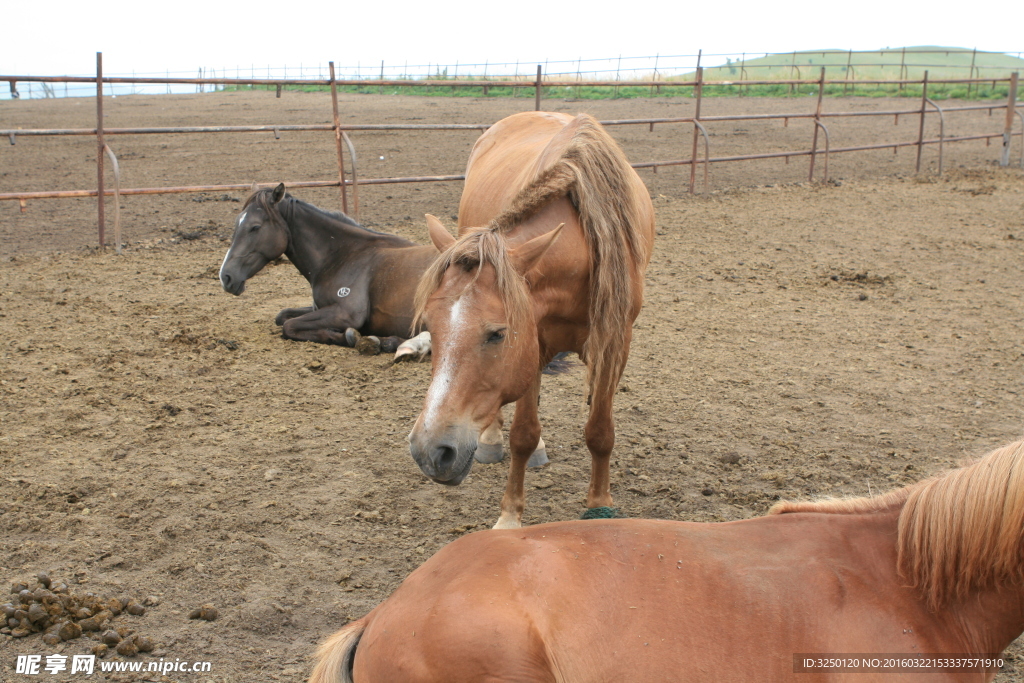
{"type": "Point", "coordinates": [159, 438]}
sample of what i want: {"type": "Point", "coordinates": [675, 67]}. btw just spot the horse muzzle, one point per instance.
{"type": "Point", "coordinates": [232, 284]}
{"type": "Point", "coordinates": [448, 459]}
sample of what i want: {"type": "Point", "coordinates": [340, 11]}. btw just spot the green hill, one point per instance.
{"type": "Point", "coordinates": [888, 64]}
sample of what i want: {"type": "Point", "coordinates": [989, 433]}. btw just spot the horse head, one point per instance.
{"type": "Point", "coordinates": [485, 350]}
{"type": "Point", "coordinates": [261, 235]}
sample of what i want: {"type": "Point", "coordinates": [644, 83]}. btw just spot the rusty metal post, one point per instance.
{"type": "Point", "coordinates": [696, 118]}
{"type": "Point", "coordinates": [1011, 107]}
{"type": "Point", "coordinates": [817, 122]}
{"type": "Point", "coordinates": [101, 143]}
{"type": "Point", "coordinates": [337, 140]}
{"type": "Point", "coordinates": [536, 103]}
{"type": "Point", "coordinates": [920, 130]}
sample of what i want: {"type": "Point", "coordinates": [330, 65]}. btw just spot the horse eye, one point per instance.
{"type": "Point", "coordinates": [496, 336]}
{"type": "Point", "coordinates": [254, 228]}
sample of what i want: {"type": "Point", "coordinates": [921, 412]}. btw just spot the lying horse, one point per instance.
{"type": "Point", "coordinates": [935, 568]}
{"type": "Point", "coordinates": [360, 278]}
{"type": "Point", "coordinates": [558, 267]}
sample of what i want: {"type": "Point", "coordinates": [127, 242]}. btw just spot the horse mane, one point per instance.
{"type": "Point", "coordinates": [595, 175]}
{"type": "Point", "coordinates": [264, 199]}
{"type": "Point", "coordinates": [957, 531]}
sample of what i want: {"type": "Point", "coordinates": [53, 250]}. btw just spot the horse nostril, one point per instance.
{"type": "Point", "coordinates": [444, 458]}
{"type": "Point", "coordinates": [225, 279]}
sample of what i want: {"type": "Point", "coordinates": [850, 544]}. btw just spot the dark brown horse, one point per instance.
{"type": "Point", "coordinates": [559, 266]}
{"type": "Point", "coordinates": [360, 278]}
{"type": "Point", "coordinates": [931, 574]}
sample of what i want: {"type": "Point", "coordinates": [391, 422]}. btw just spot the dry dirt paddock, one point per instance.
{"type": "Point", "coordinates": [159, 438]}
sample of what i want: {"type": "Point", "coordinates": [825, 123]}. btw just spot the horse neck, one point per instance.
{"type": "Point", "coordinates": [989, 620]}
{"type": "Point", "coordinates": [317, 239]}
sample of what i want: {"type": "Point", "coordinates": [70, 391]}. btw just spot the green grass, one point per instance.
{"type": "Point", "coordinates": [941, 64]}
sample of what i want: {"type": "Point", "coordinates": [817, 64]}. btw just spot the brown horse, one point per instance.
{"type": "Point", "coordinates": [360, 278]}
{"type": "Point", "coordinates": [935, 568]}
{"type": "Point", "coordinates": [558, 267]}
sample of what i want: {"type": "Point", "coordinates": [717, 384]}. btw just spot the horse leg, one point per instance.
{"type": "Point", "coordinates": [600, 437]}
{"type": "Point", "coordinates": [289, 313]}
{"type": "Point", "coordinates": [523, 438]}
{"type": "Point", "coordinates": [324, 325]}
{"type": "Point", "coordinates": [489, 446]}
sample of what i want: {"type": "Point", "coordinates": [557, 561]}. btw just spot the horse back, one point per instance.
{"type": "Point", "coordinates": [504, 160]}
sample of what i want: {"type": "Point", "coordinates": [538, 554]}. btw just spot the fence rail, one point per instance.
{"type": "Point", "coordinates": [926, 108]}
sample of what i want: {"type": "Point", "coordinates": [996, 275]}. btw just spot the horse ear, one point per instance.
{"type": "Point", "coordinates": [254, 188]}
{"type": "Point", "coordinates": [439, 235]}
{"type": "Point", "coordinates": [278, 193]}
{"type": "Point", "coordinates": [527, 255]}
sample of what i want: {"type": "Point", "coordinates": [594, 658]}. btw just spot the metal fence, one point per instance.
{"type": "Point", "coordinates": [899, 63]}
{"type": "Point", "coordinates": [819, 144]}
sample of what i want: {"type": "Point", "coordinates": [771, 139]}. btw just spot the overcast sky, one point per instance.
{"type": "Point", "coordinates": [62, 38]}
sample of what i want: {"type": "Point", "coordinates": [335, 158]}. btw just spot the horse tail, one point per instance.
{"type": "Point", "coordinates": [336, 655]}
{"type": "Point", "coordinates": [617, 219]}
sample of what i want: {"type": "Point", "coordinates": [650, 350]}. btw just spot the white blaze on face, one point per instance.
{"type": "Point", "coordinates": [441, 383]}
{"type": "Point", "coordinates": [220, 274]}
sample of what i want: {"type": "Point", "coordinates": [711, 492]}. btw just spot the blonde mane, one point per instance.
{"type": "Point", "coordinates": [595, 175]}
{"type": "Point", "coordinates": [957, 531]}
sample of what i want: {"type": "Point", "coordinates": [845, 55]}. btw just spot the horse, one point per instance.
{"type": "Point", "coordinates": [568, 229]}
{"type": "Point", "coordinates": [863, 589]}
{"type": "Point", "coordinates": [361, 279]}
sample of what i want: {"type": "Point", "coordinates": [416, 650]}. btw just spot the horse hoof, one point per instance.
{"type": "Point", "coordinates": [390, 344]}
{"type": "Point", "coordinates": [416, 348]}
{"type": "Point", "coordinates": [352, 336]}
{"type": "Point", "coordinates": [368, 346]}
{"type": "Point", "coordinates": [489, 453]}
{"type": "Point", "coordinates": [539, 458]}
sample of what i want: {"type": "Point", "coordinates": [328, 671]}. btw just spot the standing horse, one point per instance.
{"type": "Point", "coordinates": [558, 267]}
{"type": "Point", "coordinates": [935, 569]}
{"type": "Point", "coordinates": [360, 278]}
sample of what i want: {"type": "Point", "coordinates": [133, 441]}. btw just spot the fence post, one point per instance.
{"type": "Point", "coordinates": [100, 144]}
{"type": "Point", "coordinates": [1011, 106]}
{"type": "Point", "coordinates": [974, 56]}
{"type": "Point", "coordinates": [920, 130]}
{"type": "Point", "coordinates": [536, 101]}
{"type": "Point", "coordinates": [903, 65]}
{"type": "Point", "coordinates": [849, 57]}
{"type": "Point", "coordinates": [817, 121]}
{"type": "Point", "coordinates": [337, 140]}
{"type": "Point", "coordinates": [792, 73]}
{"type": "Point", "coordinates": [696, 117]}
